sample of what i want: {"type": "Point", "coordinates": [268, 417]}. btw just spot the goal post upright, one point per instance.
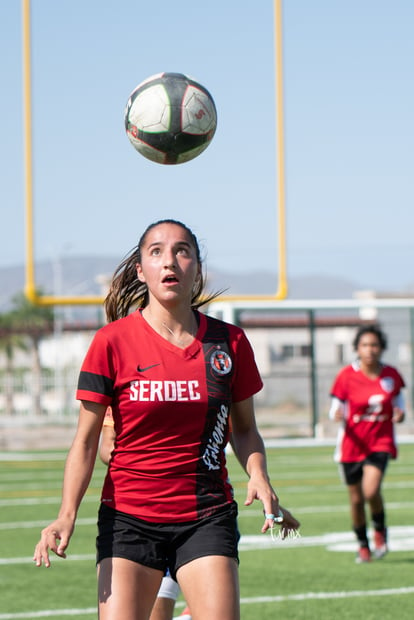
{"type": "Point", "coordinates": [282, 290]}
{"type": "Point", "coordinates": [30, 289]}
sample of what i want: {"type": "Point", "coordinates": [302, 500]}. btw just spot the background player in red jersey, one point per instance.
{"type": "Point", "coordinates": [172, 376]}
{"type": "Point", "coordinates": [367, 400]}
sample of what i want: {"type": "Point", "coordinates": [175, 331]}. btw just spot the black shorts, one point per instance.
{"type": "Point", "coordinates": [163, 545]}
{"type": "Point", "coordinates": [352, 472]}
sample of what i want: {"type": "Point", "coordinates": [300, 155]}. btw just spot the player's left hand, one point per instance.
{"type": "Point", "coordinates": [260, 488]}
{"type": "Point", "coordinates": [398, 415]}
{"type": "Point", "coordinates": [288, 524]}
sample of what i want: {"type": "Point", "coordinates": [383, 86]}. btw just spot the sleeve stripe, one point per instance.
{"type": "Point", "coordinates": [91, 382]}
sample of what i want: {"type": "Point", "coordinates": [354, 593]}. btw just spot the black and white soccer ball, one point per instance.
{"type": "Point", "coordinates": [170, 118]}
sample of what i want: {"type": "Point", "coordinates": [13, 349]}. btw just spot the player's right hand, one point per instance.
{"type": "Point", "coordinates": [339, 415]}
{"type": "Point", "coordinates": [55, 537]}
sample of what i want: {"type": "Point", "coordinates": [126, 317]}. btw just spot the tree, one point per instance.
{"type": "Point", "coordinates": [33, 322]}
{"type": "Point", "coordinates": [9, 341]}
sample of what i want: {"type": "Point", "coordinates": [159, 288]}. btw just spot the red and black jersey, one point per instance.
{"type": "Point", "coordinates": [368, 425]}
{"type": "Point", "coordinates": [171, 411]}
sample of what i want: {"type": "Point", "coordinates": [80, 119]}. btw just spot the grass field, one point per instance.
{"type": "Point", "coordinates": [310, 578]}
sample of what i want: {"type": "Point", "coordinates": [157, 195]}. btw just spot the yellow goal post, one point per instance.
{"type": "Point", "coordinates": [31, 290]}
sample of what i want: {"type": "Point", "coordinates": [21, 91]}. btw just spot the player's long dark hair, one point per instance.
{"type": "Point", "coordinates": [127, 293]}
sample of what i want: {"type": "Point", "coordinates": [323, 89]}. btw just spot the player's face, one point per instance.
{"type": "Point", "coordinates": [369, 349]}
{"type": "Point", "coordinates": [169, 264]}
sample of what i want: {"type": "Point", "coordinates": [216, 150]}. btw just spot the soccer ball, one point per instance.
{"type": "Point", "coordinates": [170, 118]}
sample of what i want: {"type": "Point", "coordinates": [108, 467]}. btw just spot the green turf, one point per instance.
{"type": "Point", "coordinates": [296, 582]}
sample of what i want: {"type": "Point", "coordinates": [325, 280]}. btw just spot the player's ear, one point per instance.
{"type": "Point", "coordinates": [140, 275]}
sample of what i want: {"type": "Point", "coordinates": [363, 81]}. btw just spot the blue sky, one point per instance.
{"type": "Point", "coordinates": [349, 132]}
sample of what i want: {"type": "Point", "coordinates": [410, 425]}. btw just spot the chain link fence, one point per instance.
{"type": "Point", "coordinates": [298, 350]}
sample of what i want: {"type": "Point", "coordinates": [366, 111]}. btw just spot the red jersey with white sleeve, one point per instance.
{"type": "Point", "coordinates": [171, 409]}
{"type": "Point", "coordinates": [368, 408]}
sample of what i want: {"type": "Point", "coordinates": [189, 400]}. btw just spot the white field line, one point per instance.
{"type": "Point", "coordinates": [287, 491]}
{"type": "Point", "coordinates": [49, 485]}
{"type": "Point", "coordinates": [33, 456]}
{"type": "Point", "coordinates": [49, 613]}
{"type": "Point", "coordinates": [401, 539]}
{"type": "Point", "coordinates": [294, 490]}
{"type": "Point", "coordinates": [75, 557]}
{"type": "Point", "coordinates": [300, 510]}
{"type": "Point", "coordinates": [38, 501]}
{"type": "Point", "coordinates": [243, 512]}
{"type": "Point", "coordinates": [6, 476]}
{"type": "Point", "coordinates": [27, 525]}
{"type": "Point", "coordinates": [305, 596]}
{"type": "Point", "coordinates": [269, 443]}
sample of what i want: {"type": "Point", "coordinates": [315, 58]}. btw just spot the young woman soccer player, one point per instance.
{"type": "Point", "coordinates": [367, 400]}
{"type": "Point", "coordinates": [171, 375]}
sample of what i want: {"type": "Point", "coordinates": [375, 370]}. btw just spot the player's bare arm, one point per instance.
{"type": "Point", "coordinates": [78, 471]}
{"type": "Point", "coordinates": [250, 451]}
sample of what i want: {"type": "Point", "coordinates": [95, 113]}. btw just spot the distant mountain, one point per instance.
{"type": "Point", "coordinates": [266, 283]}
{"type": "Point", "coordinates": [69, 276]}
{"type": "Point", "coordinates": [83, 275]}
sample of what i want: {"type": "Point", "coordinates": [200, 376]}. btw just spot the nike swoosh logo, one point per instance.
{"type": "Point", "coordinates": [144, 368]}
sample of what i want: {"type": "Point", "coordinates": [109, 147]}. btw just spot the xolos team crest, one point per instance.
{"type": "Point", "coordinates": [220, 362]}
